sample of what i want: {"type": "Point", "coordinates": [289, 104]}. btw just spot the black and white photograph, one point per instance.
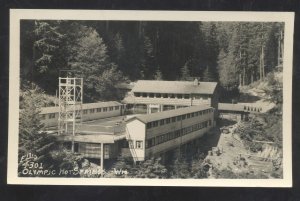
{"type": "Point", "coordinates": [150, 98]}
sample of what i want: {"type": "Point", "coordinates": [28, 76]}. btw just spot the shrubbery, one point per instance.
{"type": "Point", "coordinates": [47, 152]}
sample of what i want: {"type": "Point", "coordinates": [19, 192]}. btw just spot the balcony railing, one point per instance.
{"type": "Point", "coordinates": [165, 101]}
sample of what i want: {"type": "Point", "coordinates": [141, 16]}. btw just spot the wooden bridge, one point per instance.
{"type": "Point", "coordinates": [240, 108]}
{"type": "Point", "coordinates": [244, 109]}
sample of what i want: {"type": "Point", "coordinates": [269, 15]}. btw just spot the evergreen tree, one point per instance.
{"type": "Point", "coordinates": [149, 60]}
{"type": "Point", "coordinates": [118, 50]}
{"type": "Point", "coordinates": [197, 59]}
{"type": "Point", "coordinates": [185, 72]}
{"type": "Point", "coordinates": [136, 48]}
{"type": "Point", "coordinates": [47, 53]}
{"type": "Point", "coordinates": [227, 71]}
{"type": "Point", "coordinates": [197, 168]}
{"type": "Point", "coordinates": [212, 51]}
{"type": "Point", "coordinates": [31, 138]}
{"type": "Point", "coordinates": [208, 75]}
{"type": "Point", "coordinates": [89, 55]}
{"type": "Point", "coordinates": [158, 75]}
{"type": "Point", "coordinates": [151, 168]}
{"type": "Point", "coordinates": [181, 169]}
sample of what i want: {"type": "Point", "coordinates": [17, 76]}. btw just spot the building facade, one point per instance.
{"type": "Point", "coordinates": [150, 96]}
{"type": "Point", "coordinates": [153, 134]}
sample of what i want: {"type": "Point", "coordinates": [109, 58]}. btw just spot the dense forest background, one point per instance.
{"type": "Point", "coordinates": [110, 52]}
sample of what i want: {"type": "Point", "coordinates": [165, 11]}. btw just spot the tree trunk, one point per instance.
{"type": "Point", "coordinates": [263, 62]}
{"type": "Point", "coordinates": [278, 52]}
{"type": "Point", "coordinates": [140, 28]}
{"type": "Point", "coordinates": [244, 75]}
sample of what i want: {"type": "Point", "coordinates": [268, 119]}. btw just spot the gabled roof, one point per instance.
{"type": "Point", "coordinates": [231, 107]}
{"type": "Point", "coordinates": [176, 87]}
{"type": "Point", "coordinates": [170, 113]}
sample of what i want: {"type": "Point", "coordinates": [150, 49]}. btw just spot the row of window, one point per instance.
{"type": "Point", "coordinates": [180, 96]}
{"type": "Point", "coordinates": [177, 133]}
{"type": "Point", "coordinates": [158, 95]}
{"type": "Point", "coordinates": [104, 109]}
{"type": "Point", "coordinates": [138, 144]}
{"type": "Point", "coordinates": [177, 118]}
{"type": "Point", "coordinates": [250, 108]}
{"type": "Point", "coordinates": [50, 116]}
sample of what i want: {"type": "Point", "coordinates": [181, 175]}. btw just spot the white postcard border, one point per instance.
{"type": "Point", "coordinates": [50, 14]}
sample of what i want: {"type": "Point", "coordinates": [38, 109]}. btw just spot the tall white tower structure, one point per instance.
{"type": "Point", "coordinates": [70, 102]}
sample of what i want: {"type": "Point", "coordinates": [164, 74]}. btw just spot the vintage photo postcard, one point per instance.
{"type": "Point", "coordinates": [152, 98]}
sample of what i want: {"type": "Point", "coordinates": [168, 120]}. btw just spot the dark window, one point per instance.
{"type": "Point", "coordinates": [111, 108]}
{"type": "Point", "coordinates": [117, 107]}
{"type": "Point", "coordinates": [188, 116]}
{"type": "Point", "coordinates": [157, 140]}
{"type": "Point", "coordinates": [168, 121]}
{"type": "Point", "coordinates": [171, 135]}
{"type": "Point", "coordinates": [155, 123]}
{"type": "Point", "coordinates": [92, 110]}
{"type": "Point", "coordinates": [183, 117]}
{"type": "Point", "coordinates": [179, 95]}
{"type": "Point", "coordinates": [192, 114]}
{"type": "Point", "coordinates": [149, 125]}
{"type": "Point", "coordinates": [177, 133]}
{"type": "Point", "coordinates": [105, 109]}
{"type": "Point", "coordinates": [172, 95]}
{"type": "Point", "coordinates": [153, 141]}
{"type": "Point", "coordinates": [162, 122]}
{"type": "Point", "coordinates": [98, 109]}
{"type": "Point", "coordinates": [178, 118]}
{"type": "Point", "coordinates": [43, 116]}
{"type": "Point", "coordinates": [150, 143]}
{"type": "Point", "coordinates": [52, 116]}
{"type": "Point", "coordinates": [162, 138]}
{"type": "Point", "coordinates": [173, 119]}
{"type": "Point", "coordinates": [158, 95]}
{"type": "Point", "coordinates": [151, 95]}
{"type": "Point", "coordinates": [165, 95]}
{"type": "Point", "coordinates": [144, 95]}
{"type": "Point", "coordinates": [166, 137]}
{"type": "Point", "coordinates": [186, 96]}
{"type": "Point", "coordinates": [139, 144]}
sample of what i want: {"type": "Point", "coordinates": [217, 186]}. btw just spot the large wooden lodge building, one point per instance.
{"type": "Point", "coordinates": [150, 96]}
{"type": "Point", "coordinates": [161, 115]}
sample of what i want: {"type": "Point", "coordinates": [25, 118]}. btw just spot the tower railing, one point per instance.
{"type": "Point", "coordinates": [70, 102]}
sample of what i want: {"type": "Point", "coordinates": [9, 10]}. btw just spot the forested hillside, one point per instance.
{"type": "Point", "coordinates": [109, 52]}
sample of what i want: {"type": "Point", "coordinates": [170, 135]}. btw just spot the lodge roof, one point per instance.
{"type": "Point", "coordinates": [176, 87]}
{"type": "Point", "coordinates": [46, 110]}
{"type": "Point", "coordinates": [170, 113]}
{"type": "Point", "coordinates": [231, 107]}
